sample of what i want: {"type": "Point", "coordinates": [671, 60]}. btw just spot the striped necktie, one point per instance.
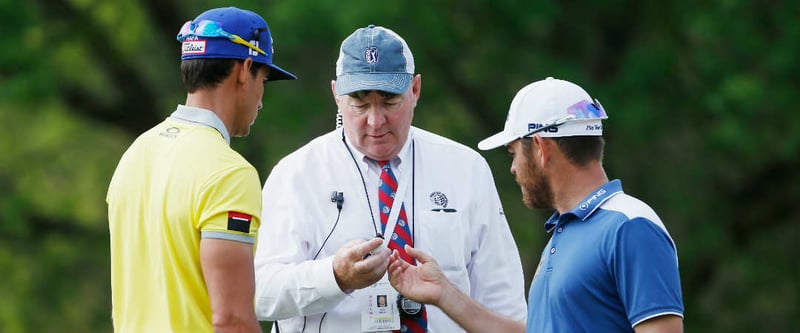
{"type": "Point", "coordinates": [399, 238]}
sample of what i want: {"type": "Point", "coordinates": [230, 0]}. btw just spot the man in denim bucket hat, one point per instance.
{"type": "Point", "coordinates": [183, 207]}
{"type": "Point", "coordinates": [374, 58]}
{"type": "Point", "coordinates": [375, 183]}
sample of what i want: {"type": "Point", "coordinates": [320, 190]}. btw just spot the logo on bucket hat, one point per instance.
{"type": "Point", "coordinates": [374, 58]}
{"type": "Point", "coordinates": [549, 108]}
{"type": "Point", "coordinates": [230, 33]}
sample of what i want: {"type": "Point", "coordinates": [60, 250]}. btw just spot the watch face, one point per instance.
{"type": "Point", "coordinates": [408, 307]}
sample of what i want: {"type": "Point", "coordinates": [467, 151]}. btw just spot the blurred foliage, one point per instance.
{"type": "Point", "coordinates": [700, 96]}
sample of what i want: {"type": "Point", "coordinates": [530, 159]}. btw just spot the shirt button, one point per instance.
{"type": "Point", "coordinates": [560, 229]}
{"type": "Point", "coordinates": [552, 250]}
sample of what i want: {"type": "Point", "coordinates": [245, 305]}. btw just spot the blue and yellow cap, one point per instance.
{"type": "Point", "coordinates": [230, 33]}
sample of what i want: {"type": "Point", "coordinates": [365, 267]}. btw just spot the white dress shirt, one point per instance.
{"type": "Point", "coordinates": [454, 212]}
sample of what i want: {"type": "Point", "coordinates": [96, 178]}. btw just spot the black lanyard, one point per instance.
{"type": "Point", "coordinates": [366, 191]}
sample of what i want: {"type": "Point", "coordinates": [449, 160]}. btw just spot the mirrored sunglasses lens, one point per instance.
{"type": "Point", "coordinates": [586, 110]}
{"type": "Point", "coordinates": [185, 30]}
{"type": "Point", "coordinates": [206, 29]}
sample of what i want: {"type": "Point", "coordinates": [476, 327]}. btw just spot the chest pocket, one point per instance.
{"type": "Point", "coordinates": [446, 237]}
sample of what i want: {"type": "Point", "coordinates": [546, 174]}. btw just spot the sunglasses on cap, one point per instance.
{"type": "Point", "coordinates": [208, 28]}
{"type": "Point", "coordinates": [583, 110]}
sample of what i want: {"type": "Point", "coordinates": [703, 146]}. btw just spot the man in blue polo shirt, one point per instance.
{"type": "Point", "coordinates": [610, 264]}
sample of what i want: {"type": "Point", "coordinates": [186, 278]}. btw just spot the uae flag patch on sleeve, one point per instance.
{"type": "Point", "coordinates": [239, 222]}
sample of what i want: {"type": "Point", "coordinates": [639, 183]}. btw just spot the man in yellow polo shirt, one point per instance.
{"type": "Point", "coordinates": [183, 207]}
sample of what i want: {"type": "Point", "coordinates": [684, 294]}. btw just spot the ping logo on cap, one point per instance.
{"type": "Point", "coordinates": [194, 47]}
{"type": "Point", "coordinates": [535, 126]}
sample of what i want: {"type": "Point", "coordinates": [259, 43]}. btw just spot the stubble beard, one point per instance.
{"type": "Point", "coordinates": [536, 190]}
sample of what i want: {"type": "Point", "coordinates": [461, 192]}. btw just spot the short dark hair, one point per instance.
{"type": "Point", "coordinates": [208, 72]}
{"type": "Point", "coordinates": [579, 150]}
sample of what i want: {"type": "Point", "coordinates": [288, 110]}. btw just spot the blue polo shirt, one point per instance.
{"type": "Point", "coordinates": [609, 265]}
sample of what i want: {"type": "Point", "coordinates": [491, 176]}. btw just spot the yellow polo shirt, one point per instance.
{"type": "Point", "coordinates": [177, 183]}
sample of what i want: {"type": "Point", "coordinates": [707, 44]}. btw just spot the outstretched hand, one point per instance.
{"type": "Point", "coordinates": [425, 282]}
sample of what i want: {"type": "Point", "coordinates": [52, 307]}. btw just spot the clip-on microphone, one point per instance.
{"type": "Point", "coordinates": [338, 198]}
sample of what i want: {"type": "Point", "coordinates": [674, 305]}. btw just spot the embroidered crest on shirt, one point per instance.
{"type": "Point", "coordinates": [171, 132]}
{"type": "Point", "coordinates": [439, 200]}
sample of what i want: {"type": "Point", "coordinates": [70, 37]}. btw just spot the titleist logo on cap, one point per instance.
{"type": "Point", "coordinates": [194, 47]}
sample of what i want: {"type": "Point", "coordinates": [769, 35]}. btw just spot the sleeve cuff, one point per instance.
{"type": "Point", "coordinates": [244, 238]}
{"type": "Point", "coordinates": [323, 273]}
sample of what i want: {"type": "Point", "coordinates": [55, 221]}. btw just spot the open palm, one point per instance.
{"type": "Point", "coordinates": [423, 283]}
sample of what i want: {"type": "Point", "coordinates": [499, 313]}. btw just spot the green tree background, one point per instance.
{"type": "Point", "coordinates": [700, 95]}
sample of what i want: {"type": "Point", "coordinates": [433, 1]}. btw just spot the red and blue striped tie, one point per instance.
{"type": "Point", "coordinates": [400, 237]}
